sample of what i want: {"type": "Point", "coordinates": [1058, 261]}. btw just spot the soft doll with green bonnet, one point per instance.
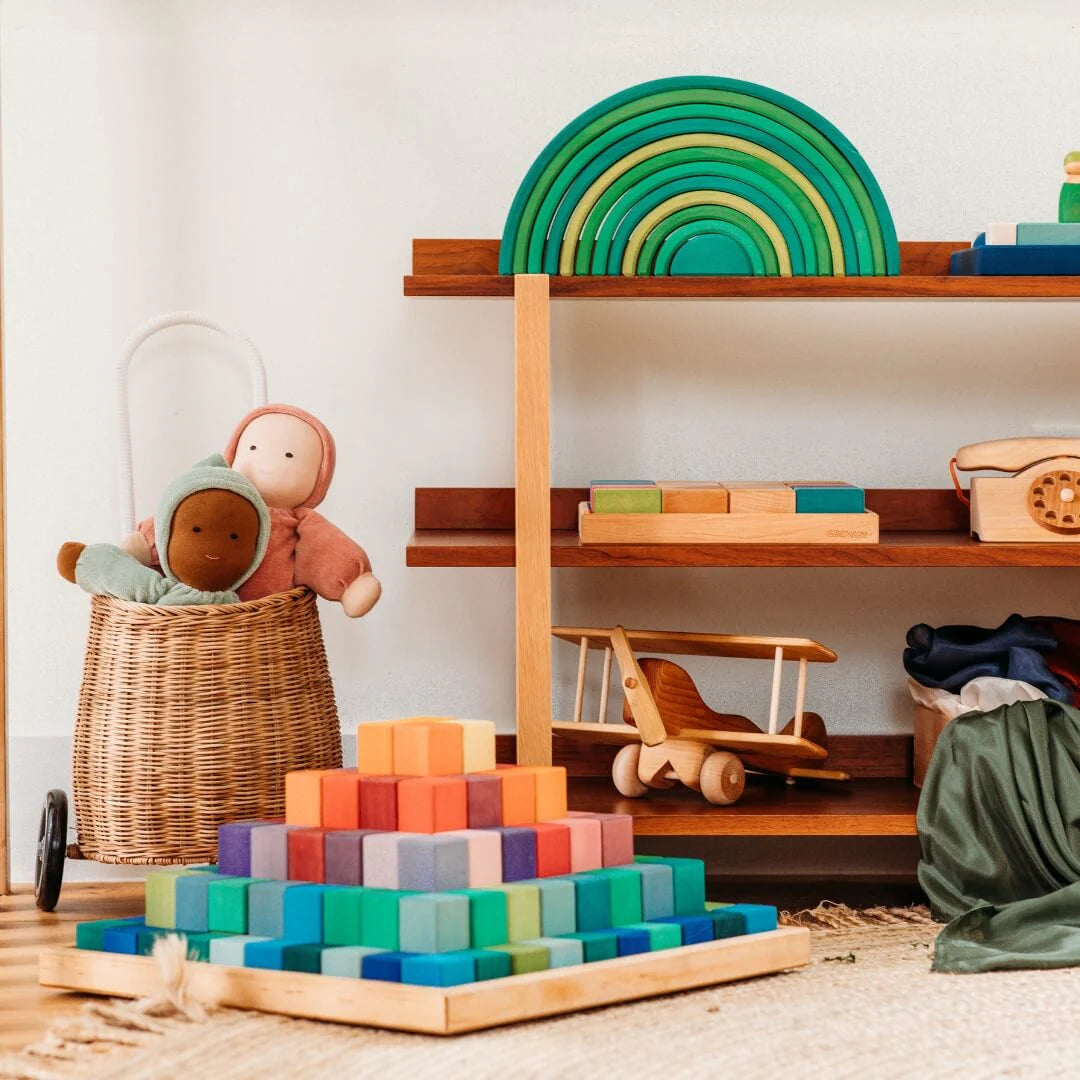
{"type": "Point", "coordinates": [213, 528]}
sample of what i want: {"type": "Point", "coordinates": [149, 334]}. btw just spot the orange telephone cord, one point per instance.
{"type": "Point", "coordinates": [956, 483]}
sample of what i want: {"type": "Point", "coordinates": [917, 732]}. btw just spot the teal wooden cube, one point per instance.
{"type": "Point", "coordinates": [491, 964]}
{"type": "Point", "coordinates": [90, 935]}
{"type": "Point", "coordinates": [562, 952]}
{"type": "Point", "coordinates": [625, 887]}
{"type": "Point", "coordinates": [597, 944]}
{"type": "Point", "coordinates": [193, 902]}
{"type": "Point", "coordinates": [592, 901]}
{"type": "Point", "coordinates": [306, 957]}
{"type": "Point", "coordinates": [145, 939]}
{"type": "Point", "coordinates": [442, 969]}
{"type": "Point", "coordinates": [657, 890]}
{"type": "Point", "coordinates": [558, 906]}
{"type": "Point", "coordinates": [302, 911]}
{"type": "Point", "coordinates": [268, 953]}
{"type": "Point", "coordinates": [434, 923]}
{"type": "Point", "coordinates": [760, 918]}
{"type": "Point", "coordinates": [198, 945]}
{"type": "Point", "coordinates": [688, 879]}
{"type": "Point", "coordinates": [266, 908]}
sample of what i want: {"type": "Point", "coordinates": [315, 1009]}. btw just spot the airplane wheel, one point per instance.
{"type": "Point", "coordinates": [51, 849]}
{"type": "Point", "coordinates": [723, 778]}
{"type": "Point", "coordinates": [624, 772]}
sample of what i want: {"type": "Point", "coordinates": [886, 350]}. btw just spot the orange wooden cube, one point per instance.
{"type": "Point", "coordinates": [518, 795]}
{"type": "Point", "coordinates": [431, 804]}
{"type": "Point", "coordinates": [427, 749]}
{"type": "Point", "coordinates": [341, 799]}
{"type": "Point", "coordinates": [375, 748]}
{"type": "Point", "coordinates": [303, 796]}
{"type": "Point", "coordinates": [550, 791]}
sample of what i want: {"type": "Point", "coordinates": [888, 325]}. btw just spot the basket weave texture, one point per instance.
{"type": "Point", "coordinates": [191, 716]}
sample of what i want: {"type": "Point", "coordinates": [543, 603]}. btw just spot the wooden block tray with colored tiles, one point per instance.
{"type": "Point", "coordinates": [413, 893]}
{"type": "Point", "coordinates": [744, 512]}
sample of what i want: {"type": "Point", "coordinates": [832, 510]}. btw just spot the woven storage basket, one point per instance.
{"type": "Point", "coordinates": [191, 716]}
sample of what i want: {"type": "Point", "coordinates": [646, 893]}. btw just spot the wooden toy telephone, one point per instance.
{"type": "Point", "coordinates": [1040, 501]}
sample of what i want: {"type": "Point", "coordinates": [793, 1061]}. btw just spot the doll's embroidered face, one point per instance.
{"type": "Point", "coordinates": [281, 455]}
{"type": "Point", "coordinates": [213, 539]}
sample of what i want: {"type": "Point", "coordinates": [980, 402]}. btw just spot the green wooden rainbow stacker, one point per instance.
{"type": "Point", "coordinates": [496, 905]}
{"type": "Point", "coordinates": [698, 175]}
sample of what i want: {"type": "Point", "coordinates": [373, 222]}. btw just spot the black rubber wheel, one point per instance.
{"type": "Point", "coordinates": [51, 849]}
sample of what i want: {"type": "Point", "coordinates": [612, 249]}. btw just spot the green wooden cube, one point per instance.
{"type": "Point", "coordinates": [380, 925]}
{"type": "Point", "coordinates": [522, 911]}
{"type": "Point", "coordinates": [227, 904]}
{"type": "Point", "coordinates": [488, 916]}
{"type": "Point", "coordinates": [524, 958]}
{"type": "Point", "coordinates": [661, 935]}
{"type": "Point", "coordinates": [342, 915]}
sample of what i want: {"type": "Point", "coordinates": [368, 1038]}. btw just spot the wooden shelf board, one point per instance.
{"type": "Point", "coordinates": [495, 547]}
{"type": "Point", "coordinates": [899, 287]}
{"type": "Point", "coordinates": [768, 807]}
{"type": "Point", "coordinates": [469, 268]}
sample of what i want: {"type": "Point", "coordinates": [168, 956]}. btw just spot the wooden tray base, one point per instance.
{"type": "Point", "coordinates": [726, 528]}
{"type": "Point", "coordinates": [434, 1011]}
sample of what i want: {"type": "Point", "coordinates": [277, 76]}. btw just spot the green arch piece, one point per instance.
{"type": "Point", "coordinates": [858, 180]}
{"type": "Point", "coordinates": [672, 232]}
{"type": "Point", "coordinates": [611, 243]}
{"type": "Point", "coordinates": [712, 254]}
{"type": "Point", "coordinates": [729, 169]}
{"type": "Point", "coordinates": [635, 108]}
{"type": "Point", "coordinates": [582, 169]}
{"type": "Point", "coordinates": [691, 215]}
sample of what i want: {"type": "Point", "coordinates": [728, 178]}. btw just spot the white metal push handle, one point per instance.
{"type": "Point", "coordinates": [164, 322]}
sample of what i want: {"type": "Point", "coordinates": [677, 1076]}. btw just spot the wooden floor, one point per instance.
{"type": "Point", "coordinates": [26, 1009]}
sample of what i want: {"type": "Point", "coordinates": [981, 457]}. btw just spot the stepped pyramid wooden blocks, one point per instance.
{"type": "Point", "coordinates": [430, 907]}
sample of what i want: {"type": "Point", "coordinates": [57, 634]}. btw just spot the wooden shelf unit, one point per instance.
{"type": "Point", "coordinates": [921, 528]}
{"type": "Point", "coordinates": [471, 268]}
{"type": "Point", "coordinates": [768, 807]}
{"type": "Point", "coordinates": [532, 527]}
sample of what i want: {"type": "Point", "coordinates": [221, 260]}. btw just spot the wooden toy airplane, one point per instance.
{"type": "Point", "coordinates": [669, 734]}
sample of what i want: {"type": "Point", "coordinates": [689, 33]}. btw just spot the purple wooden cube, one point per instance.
{"type": "Point", "coordinates": [234, 847]}
{"type": "Point", "coordinates": [518, 853]}
{"type": "Point", "coordinates": [344, 855]}
{"type": "Point", "coordinates": [270, 851]}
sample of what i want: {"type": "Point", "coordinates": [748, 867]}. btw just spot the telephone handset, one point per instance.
{"type": "Point", "coordinates": [1040, 501]}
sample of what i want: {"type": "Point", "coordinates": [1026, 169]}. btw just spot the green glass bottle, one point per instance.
{"type": "Point", "coordinates": [1069, 205]}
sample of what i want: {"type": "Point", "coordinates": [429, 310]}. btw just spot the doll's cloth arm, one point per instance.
{"type": "Point", "coordinates": [147, 529]}
{"type": "Point", "coordinates": [327, 560]}
{"type": "Point", "coordinates": [105, 570]}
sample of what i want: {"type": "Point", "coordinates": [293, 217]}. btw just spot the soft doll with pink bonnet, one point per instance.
{"type": "Point", "coordinates": [289, 456]}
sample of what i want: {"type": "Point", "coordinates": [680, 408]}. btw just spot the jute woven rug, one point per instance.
{"type": "Point", "coordinates": [867, 1007]}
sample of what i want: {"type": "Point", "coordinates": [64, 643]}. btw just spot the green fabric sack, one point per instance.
{"type": "Point", "coordinates": [999, 821]}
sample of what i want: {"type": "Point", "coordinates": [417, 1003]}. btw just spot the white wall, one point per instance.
{"type": "Point", "coordinates": [269, 162]}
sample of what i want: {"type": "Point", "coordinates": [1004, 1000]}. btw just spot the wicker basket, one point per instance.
{"type": "Point", "coordinates": [191, 716]}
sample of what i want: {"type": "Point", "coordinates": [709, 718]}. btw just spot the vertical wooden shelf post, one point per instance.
{"type": "Point", "coordinates": [532, 508]}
